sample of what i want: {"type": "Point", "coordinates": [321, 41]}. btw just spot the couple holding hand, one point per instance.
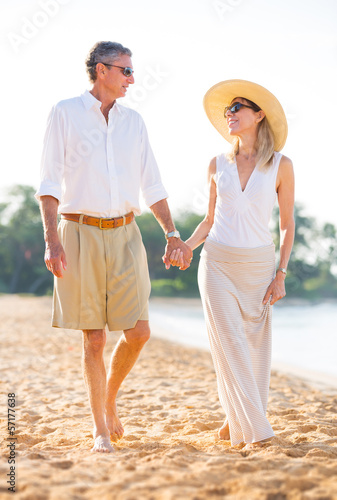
{"type": "Point", "coordinates": [96, 159]}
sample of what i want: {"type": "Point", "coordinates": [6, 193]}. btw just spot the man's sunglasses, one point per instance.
{"type": "Point", "coordinates": [236, 106]}
{"type": "Point", "coordinates": [126, 71]}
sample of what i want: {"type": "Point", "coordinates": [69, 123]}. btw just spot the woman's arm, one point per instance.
{"type": "Point", "coordinates": [202, 230]}
{"type": "Point", "coordinates": [285, 192]}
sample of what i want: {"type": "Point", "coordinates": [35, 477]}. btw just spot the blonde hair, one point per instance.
{"type": "Point", "coordinates": [264, 145]}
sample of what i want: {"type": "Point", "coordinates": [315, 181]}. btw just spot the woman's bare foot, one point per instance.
{"type": "Point", "coordinates": [113, 423]}
{"type": "Point", "coordinates": [223, 432]}
{"type": "Point", "coordinates": [102, 444]}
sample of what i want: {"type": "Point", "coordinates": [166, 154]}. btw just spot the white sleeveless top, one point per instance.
{"type": "Point", "coordinates": [242, 217]}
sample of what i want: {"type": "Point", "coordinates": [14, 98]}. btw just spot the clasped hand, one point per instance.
{"type": "Point", "coordinates": [177, 253]}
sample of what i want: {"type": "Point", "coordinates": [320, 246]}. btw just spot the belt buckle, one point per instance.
{"type": "Point", "coordinates": [100, 224]}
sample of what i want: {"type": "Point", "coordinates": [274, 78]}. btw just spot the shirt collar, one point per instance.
{"type": "Point", "coordinates": [89, 101]}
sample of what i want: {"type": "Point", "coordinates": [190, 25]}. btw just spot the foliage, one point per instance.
{"type": "Point", "coordinates": [312, 267]}
{"type": "Point", "coordinates": [313, 259]}
{"type": "Point", "coordinates": [21, 245]}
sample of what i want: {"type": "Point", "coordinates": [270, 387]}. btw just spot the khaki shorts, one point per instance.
{"type": "Point", "coordinates": [106, 281]}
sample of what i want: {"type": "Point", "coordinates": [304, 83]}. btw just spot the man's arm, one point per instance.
{"type": "Point", "coordinates": [54, 256]}
{"type": "Point", "coordinates": [162, 213]}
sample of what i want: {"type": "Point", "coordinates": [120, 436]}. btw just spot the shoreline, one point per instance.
{"type": "Point", "coordinates": [319, 379]}
{"type": "Point", "coordinates": [286, 302]}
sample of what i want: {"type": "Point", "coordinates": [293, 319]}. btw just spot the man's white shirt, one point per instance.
{"type": "Point", "coordinates": [94, 167]}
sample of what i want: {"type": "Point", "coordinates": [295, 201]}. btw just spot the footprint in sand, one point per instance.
{"type": "Point", "coordinates": [295, 452]}
{"type": "Point", "coordinates": [163, 414]}
{"type": "Point", "coordinates": [300, 483]}
{"type": "Point", "coordinates": [169, 428]}
{"type": "Point", "coordinates": [129, 467]}
{"type": "Point", "coordinates": [35, 456]}
{"type": "Point", "coordinates": [62, 464]}
{"type": "Point", "coordinates": [29, 439]}
{"type": "Point", "coordinates": [286, 412]}
{"type": "Point", "coordinates": [317, 452]}
{"type": "Point", "coordinates": [307, 428]}
{"type": "Point", "coordinates": [295, 417]}
{"type": "Point", "coordinates": [201, 426]}
{"type": "Point", "coordinates": [329, 431]}
{"type": "Point", "coordinates": [131, 437]}
{"type": "Point", "coordinates": [46, 430]}
{"type": "Point", "coordinates": [30, 417]}
{"type": "Point", "coordinates": [301, 439]}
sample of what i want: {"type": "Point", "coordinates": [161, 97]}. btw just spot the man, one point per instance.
{"type": "Point", "coordinates": [96, 159]}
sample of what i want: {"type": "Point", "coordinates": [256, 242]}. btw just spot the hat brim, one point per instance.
{"type": "Point", "coordinates": [221, 95]}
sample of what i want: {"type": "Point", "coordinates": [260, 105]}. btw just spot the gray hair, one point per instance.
{"type": "Point", "coordinates": [100, 52]}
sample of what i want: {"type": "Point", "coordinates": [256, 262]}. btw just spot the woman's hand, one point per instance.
{"type": "Point", "coordinates": [276, 289]}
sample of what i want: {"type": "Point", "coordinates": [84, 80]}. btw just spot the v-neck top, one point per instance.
{"type": "Point", "coordinates": [242, 216]}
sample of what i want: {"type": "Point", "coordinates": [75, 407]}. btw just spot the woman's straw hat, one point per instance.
{"type": "Point", "coordinates": [221, 95]}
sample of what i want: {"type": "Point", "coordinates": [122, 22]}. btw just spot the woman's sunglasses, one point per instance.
{"type": "Point", "coordinates": [235, 107]}
{"type": "Point", "coordinates": [126, 71]}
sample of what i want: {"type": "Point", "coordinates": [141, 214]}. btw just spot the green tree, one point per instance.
{"type": "Point", "coordinates": [312, 267]}
{"type": "Point", "coordinates": [313, 257]}
{"type": "Point", "coordinates": [22, 245]}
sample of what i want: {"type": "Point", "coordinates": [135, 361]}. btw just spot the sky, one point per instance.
{"type": "Point", "coordinates": [180, 49]}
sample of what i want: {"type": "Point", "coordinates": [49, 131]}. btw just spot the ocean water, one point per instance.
{"type": "Point", "coordinates": [304, 336]}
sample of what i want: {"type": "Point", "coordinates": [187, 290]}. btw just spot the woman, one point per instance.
{"type": "Point", "coordinates": [237, 277]}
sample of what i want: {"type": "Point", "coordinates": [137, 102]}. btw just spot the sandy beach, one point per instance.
{"type": "Point", "coordinates": [170, 411]}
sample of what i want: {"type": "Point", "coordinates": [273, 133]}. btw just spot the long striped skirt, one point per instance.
{"type": "Point", "coordinates": [232, 283]}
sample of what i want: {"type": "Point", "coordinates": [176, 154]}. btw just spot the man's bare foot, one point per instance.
{"type": "Point", "coordinates": [102, 445]}
{"type": "Point", "coordinates": [223, 432]}
{"type": "Point", "coordinates": [113, 423]}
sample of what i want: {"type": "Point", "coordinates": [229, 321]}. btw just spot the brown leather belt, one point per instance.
{"type": "Point", "coordinates": [101, 223]}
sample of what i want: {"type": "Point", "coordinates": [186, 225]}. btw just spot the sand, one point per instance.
{"type": "Point", "coordinates": [170, 411]}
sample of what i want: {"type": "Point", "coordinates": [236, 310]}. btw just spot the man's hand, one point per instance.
{"type": "Point", "coordinates": [54, 255]}
{"type": "Point", "coordinates": [55, 258]}
{"type": "Point", "coordinates": [177, 253]}
{"type": "Point", "coordinates": [276, 290]}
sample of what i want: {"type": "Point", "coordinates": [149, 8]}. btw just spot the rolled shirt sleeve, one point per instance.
{"type": "Point", "coordinates": [53, 154]}
{"type": "Point", "coordinates": [151, 184]}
